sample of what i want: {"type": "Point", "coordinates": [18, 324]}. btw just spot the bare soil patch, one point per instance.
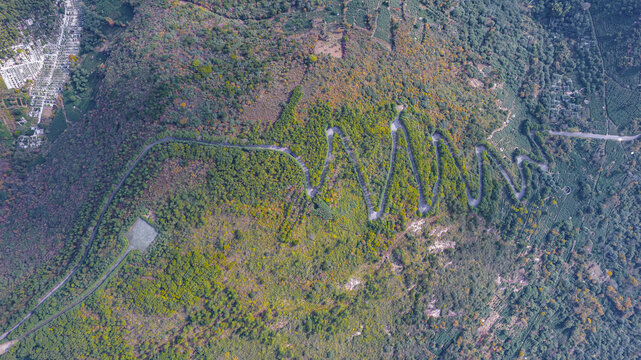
{"type": "Point", "coordinates": [440, 246]}
{"type": "Point", "coordinates": [329, 42]}
{"type": "Point", "coordinates": [438, 231]}
{"type": "Point", "coordinates": [47, 112]}
{"type": "Point", "coordinates": [596, 273]}
{"type": "Point", "coordinates": [266, 107]}
{"type": "Point", "coordinates": [432, 310]}
{"type": "Point", "coordinates": [4, 347]}
{"type": "Point", "coordinates": [415, 227]}
{"type": "Point", "coordinates": [476, 83]}
{"type": "Point", "coordinates": [488, 323]}
{"type": "Point", "coordinates": [352, 284]}
{"type": "Point", "coordinates": [11, 125]}
{"type": "Point", "coordinates": [173, 176]}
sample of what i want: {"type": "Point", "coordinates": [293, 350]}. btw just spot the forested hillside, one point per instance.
{"type": "Point", "coordinates": [201, 117]}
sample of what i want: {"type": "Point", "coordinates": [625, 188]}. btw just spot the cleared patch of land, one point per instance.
{"type": "Point", "coordinates": [329, 43]}
{"type": "Point", "coordinates": [141, 235]}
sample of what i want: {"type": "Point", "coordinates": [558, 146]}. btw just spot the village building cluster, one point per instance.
{"type": "Point", "coordinates": [565, 103]}
{"type": "Point", "coordinates": [24, 66]}
{"type": "Point", "coordinates": [47, 65]}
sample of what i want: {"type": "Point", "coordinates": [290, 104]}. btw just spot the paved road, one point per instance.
{"type": "Point", "coordinates": [595, 136]}
{"type": "Point", "coordinates": [395, 126]}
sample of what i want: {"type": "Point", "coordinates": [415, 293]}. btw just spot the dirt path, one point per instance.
{"type": "Point", "coordinates": [64, 110]}
{"type": "Point", "coordinates": [505, 123]}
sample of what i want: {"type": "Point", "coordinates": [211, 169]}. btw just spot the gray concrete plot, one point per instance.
{"type": "Point", "coordinates": [141, 235]}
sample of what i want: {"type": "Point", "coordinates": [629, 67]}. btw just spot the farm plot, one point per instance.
{"type": "Point", "coordinates": [333, 11]}
{"type": "Point", "coordinates": [596, 123]}
{"type": "Point", "coordinates": [383, 25]}
{"type": "Point", "coordinates": [372, 6]}
{"type": "Point", "coordinates": [396, 8]}
{"type": "Point", "coordinates": [355, 13]}
{"type": "Point", "coordinates": [623, 104]}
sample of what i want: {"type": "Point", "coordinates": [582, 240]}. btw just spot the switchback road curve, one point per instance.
{"type": "Point", "coordinates": [312, 191]}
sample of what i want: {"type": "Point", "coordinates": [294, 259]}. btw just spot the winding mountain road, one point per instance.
{"type": "Point", "coordinates": [311, 190]}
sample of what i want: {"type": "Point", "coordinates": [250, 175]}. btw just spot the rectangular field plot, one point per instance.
{"type": "Point", "coordinates": [411, 8]}
{"type": "Point", "coordinates": [372, 6]}
{"type": "Point", "coordinates": [333, 11]}
{"type": "Point", "coordinates": [141, 235]}
{"type": "Point", "coordinates": [355, 13]}
{"type": "Point", "coordinates": [623, 104]}
{"type": "Point", "coordinates": [396, 8]}
{"type": "Point", "coordinates": [383, 25]}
